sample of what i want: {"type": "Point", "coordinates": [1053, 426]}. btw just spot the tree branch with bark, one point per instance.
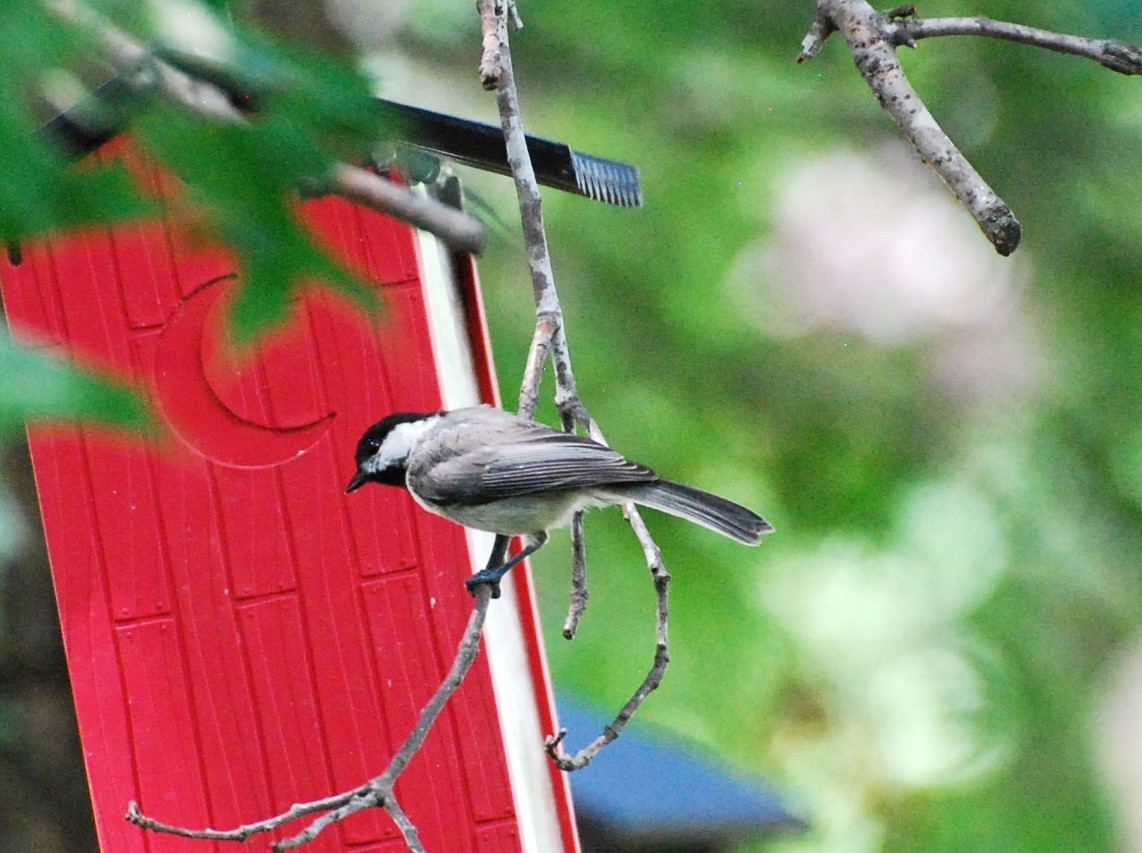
{"type": "Point", "coordinates": [550, 341]}
{"type": "Point", "coordinates": [873, 38]}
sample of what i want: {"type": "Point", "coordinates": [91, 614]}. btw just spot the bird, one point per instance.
{"type": "Point", "coordinates": [488, 469]}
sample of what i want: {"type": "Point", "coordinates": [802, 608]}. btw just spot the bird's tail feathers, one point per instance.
{"type": "Point", "coordinates": [709, 510]}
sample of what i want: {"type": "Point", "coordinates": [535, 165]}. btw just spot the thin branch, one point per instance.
{"type": "Point", "coordinates": [1120, 56]}
{"type": "Point", "coordinates": [407, 827]}
{"type": "Point", "coordinates": [579, 594]}
{"type": "Point", "coordinates": [242, 833]}
{"type": "Point", "coordinates": [550, 339]}
{"type": "Point", "coordinates": [457, 229]}
{"type": "Point", "coordinates": [365, 801]}
{"type": "Point", "coordinates": [533, 368]}
{"type": "Point", "coordinates": [819, 32]}
{"type": "Point", "coordinates": [378, 791]}
{"type": "Point", "coordinates": [141, 69]}
{"type": "Point", "coordinates": [554, 744]}
{"type": "Point", "coordinates": [870, 39]}
{"type": "Point", "coordinates": [491, 65]}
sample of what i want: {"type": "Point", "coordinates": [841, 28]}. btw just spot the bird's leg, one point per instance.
{"type": "Point", "coordinates": [499, 551]}
{"type": "Point", "coordinates": [498, 567]}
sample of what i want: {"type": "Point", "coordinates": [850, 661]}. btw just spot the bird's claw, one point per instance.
{"type": "Point", "coordinates": [480, 579]}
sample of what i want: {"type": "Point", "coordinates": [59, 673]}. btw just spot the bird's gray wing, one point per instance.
{"type": "Point", "coordinates": [543, 462]}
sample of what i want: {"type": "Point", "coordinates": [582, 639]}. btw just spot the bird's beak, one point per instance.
{"type": "Point", "coordinates": [359, 479]}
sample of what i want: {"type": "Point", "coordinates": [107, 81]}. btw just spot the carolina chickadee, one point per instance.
{"type": "Point", "coordinates": [491, 470]}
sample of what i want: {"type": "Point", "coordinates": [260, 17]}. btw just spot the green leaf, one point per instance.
{"type": "Point", "coordinates": [249, 200]}
{"type": "Point", "coordinates": [35, 386]}
{"type": "Point", "coordinates": [39, 191]}
{"type": "Point", "coordinates": [310, 112]}
{"type": "Point", "coordinates": [222, 7]}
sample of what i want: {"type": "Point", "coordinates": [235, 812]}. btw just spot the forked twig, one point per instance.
{"type": "Point", "coordinates": [550, 340]}
{"type": "Point", "coordinates": [579, 593]}
{"type": "Point", "coordinates": [1120, 56]}
{"type": "Point", "coordinates": [874, 51]}
{"type": "Point", "coordinates": [378, 792]}
{"type": "Point", "coordinates": [554, 743]}
{"type": "Point", "coordinates": [873, 38]}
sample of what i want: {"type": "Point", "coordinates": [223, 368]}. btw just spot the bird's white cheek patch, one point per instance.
{"type": "Point", "coordinates": [398, 444]}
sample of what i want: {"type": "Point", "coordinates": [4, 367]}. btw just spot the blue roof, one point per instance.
{"type": "Point", "coordinates": [649, 783]}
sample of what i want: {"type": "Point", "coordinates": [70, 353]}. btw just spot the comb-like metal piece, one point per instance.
{"type": "Point", "coordinates": [607, 180]}
{"type": "Point", "coordinates": [91, 123]}
{"type": "Point", "coordinates": [482, 145]}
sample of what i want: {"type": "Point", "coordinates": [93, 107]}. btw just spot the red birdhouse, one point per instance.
{"type": "Point", "coordinates": [241, 635]}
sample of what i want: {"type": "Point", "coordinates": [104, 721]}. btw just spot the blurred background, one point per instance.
{"type": "Point", "coordinates": [941, 647]}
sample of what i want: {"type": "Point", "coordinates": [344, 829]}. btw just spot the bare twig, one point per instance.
{"type": "Point", "coordinates": [378, 791]}
{"type": "Point", "coordinates": [873, 37]}
{"type": "Point", "coordinates": [407, 827]}
{"type": "Point", "coordinates": [1120, 56]}
{"type": "Point", "coordinates": [140, 68]}
{"type": "Point", "coordinates": [550, 339]}
{"type": "Point", "coordinates": [870, 38]}
{"type": "Point", "coordinates": [491, 67]}
{"type": "Point", "coordinates": [457, 229]}
{"type": "Point", "coordinates": [143, 70]}
{"type": "Point", "coordinates": [579, 593]}
{"type": "Point", "coordinates": [661, 577]}
{"type": "Point", "coordinates": [819, 31]}
{"type": "Point", "coordinates": [246, 831]}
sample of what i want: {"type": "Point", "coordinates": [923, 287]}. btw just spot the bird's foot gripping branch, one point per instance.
{"type": "Point", "coordinates": [499, 564]}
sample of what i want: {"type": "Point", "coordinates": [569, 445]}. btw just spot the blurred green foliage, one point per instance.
{"type": "Point", "coordinates": [39, 387]}
{"type": "Point", "coordinates": [38, 193]}
{"type": "Point", "coordinates": [242, 179]}
{"type": "Point", "coordinates": [923, 652]}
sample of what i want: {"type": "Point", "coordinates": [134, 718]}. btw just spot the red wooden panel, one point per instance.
{"type": "Point", "coordinates": [240, 634]}
{"type": "Point", "coordinates": [30, 295]}
{"type": "Point", "coordinates": [225, 716]}
{"type": "Point", "coordinates": [154, 676]}
{"type": "Point", "coordinates": [92, 315]}
{"type": "Point", "coordinates": [485, 776]}
{"type": "Point", "coordinates": [405, 343]}
{"type": "Point", "coordinates": [497, 838]}
{"type": "Point", "coordinates": [364, 240]}
{"type": "Point", "coordinates": [149, 281]}
{"type": "Point", "coordinates": [257, 543]}
{"type": "Point", "coordinates": [409, 673]}
{"type": "Point", "coordinates": [296, 739]}
{"type": "Point", "coordinates": [93, 659]}
{"type": "Point", "coordinates": [357, 376]}
{"type": "Point", "coordinates": [128, 529]}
